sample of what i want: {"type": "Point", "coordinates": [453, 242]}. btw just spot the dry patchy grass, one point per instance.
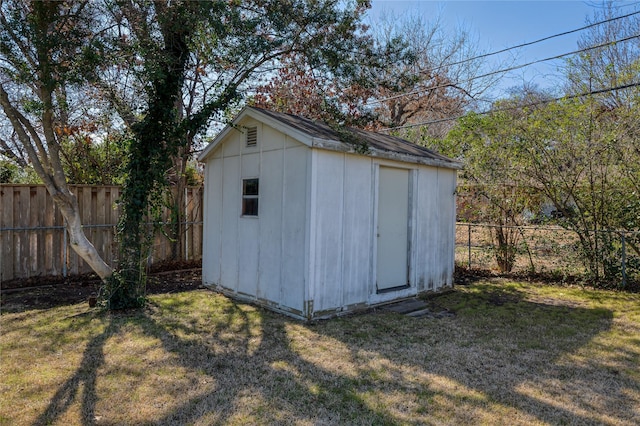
{"type": "Point", "coordinates": [514, 353]}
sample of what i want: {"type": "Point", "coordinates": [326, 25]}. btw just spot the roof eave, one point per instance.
{"type": "Point", "coordinates": [210, 148]}
{"type": "Point", "coordinates": [337, 146]}
{"type": "Point", "coordinates": [259, 116]}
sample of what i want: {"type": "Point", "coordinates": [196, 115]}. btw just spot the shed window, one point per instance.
{"type": "Point", "coordinates": [250, 188]}
{"type": "Point", "coordinates": [252, 136]}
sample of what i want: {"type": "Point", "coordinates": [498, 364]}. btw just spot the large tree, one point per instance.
{"type": "Point", "coordinates": [40, 43]}
{"type": "Point", "coordinates": [168, 68]}
{"type": "Point", "coordinates": [580, 153]}
{"type": "Point", "coordinates": [297, 88]}
{"type": "Point", "coordinates": [229, 43]}
{"type": "Point", "coordinates": [607, 197]}
{"type": "Point", "coordinates": [442, 80]}
{"type": "Point", "coordinates": [492, 185]}
{"type": "Point", "coordinates": [568, 152]}
{"type": "Point", "coordinates": [427, 76]}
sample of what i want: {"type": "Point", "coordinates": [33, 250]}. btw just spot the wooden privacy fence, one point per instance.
{"type": "Point", "coordinates": [34, 242]}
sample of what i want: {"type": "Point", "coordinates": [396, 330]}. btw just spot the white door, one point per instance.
{"type": "Point", "coordinates": [392, 232]}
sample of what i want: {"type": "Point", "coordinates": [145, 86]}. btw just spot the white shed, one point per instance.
{"type": "Point", "coordinates": [297, 220]}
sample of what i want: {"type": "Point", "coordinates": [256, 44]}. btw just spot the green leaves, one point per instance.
{"type": "Point", "coordinates": [566, 153]}
{"type": "Point", "coordinates": [194, 60]}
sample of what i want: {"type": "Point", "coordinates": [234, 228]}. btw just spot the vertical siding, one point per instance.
{"type": "Point", "coordinates": [447, 209]}
{"type": "Point", "coordinates": [414, 202]}
{"type": "Point", "coordinates": [436, 227]}
{"type": "Point", "coordinates": [230, 216]}
{"type": "Point", "coordinates": [357, 230]}
{"type": "Point", "coordinates": [328, 250]}
{"type": "Point", "coordinates": [270, 219]}
{"type": "Point", "coordinates": [427, 218]}
{"type": "Point", "coordinates": [294, 220]}
{"type": "Point", "coordinates": [248, 228]}
{"type": "Point", "coordinates": [342, 222]}
{"type": "Point", "coordinates": [258, 257]}
{"type": "Point", "coordinates": [212, 227]}
{"type": "Point", "coordinates": [248, 256]}
{"type": "Point", "coordinates": [312, 233]}
{"type": "Point", "coordinates": [248, 236]}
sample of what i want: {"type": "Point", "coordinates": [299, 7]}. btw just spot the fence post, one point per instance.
{"type": "Point", "coordinates": [469, 243]}
{"type": "Point", "coordinates": [64, 248]}
{"type": "Point", "coordinates": [624, 260]}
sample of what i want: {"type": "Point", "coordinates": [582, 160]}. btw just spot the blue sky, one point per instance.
{"type": "Point", "coordinates": [500, 24]}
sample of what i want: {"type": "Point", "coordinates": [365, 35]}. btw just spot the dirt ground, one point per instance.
{"type": "Point", "coordinates": [46, 292]}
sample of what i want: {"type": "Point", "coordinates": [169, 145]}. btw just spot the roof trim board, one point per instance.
{"type": "Point", "coordinates": [319, 135]}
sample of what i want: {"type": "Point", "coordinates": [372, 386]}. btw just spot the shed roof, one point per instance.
{"type": "Point", "coordinates": [321, 135]}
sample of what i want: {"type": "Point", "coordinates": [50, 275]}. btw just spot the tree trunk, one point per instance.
{"type": "Point", "coordinates": [49, 169]}
{"type": "Point", "coordinates": [68, 205]}
{"type": "Point", "coordinates": [179, 205]}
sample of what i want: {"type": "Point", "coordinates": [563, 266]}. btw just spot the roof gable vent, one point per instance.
{"type": "Point", "coordinates": [252, 136]}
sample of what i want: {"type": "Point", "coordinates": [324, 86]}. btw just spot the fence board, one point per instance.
{"type": "Point", "coordinates": [33, 242]}
{"type": "Point", "coordinates": [99, 215]}
{"type": "Point", "coordinates": [195, 222]}
{"type": "Point", "coordinates": [8, 247]}
{"type": "Point", "coordinates": [21, 211]}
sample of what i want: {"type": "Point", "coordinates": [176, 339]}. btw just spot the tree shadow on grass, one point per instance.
{"type": "Point", "coordinates": [246, 352]}
{"type": "Point", "coordinates": [83, 380]}
{"type": "Point", "coordinates": [264, 370]}
{"type": "Point", "coordinates": [517, 354]}
{"type": "Point", "coordinates": [284, 387]}
{"type": "Point", "coordinates": [509, 361]}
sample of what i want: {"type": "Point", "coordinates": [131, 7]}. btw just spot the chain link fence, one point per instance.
{"type": "Point", "coordinates": [547, 251]}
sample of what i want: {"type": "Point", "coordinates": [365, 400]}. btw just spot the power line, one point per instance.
{"type": "Point", "coordinates": [378, 101]}
{"type": "Point", "coordinates": [485, 55]}
{"type": "Point", "coordinates": [530, 104]}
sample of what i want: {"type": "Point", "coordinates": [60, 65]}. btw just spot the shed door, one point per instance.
{"type": "Point", "coordinates": [393, 229]}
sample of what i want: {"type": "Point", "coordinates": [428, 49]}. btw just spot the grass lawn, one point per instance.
{"type": "Point", "coordinates": [514, 353]}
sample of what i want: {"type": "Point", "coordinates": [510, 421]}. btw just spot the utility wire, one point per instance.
{"type": "Point", "coordinates": [530, 104]}
{"type": "Point", "coordinates": [485, 55]}
{"type": "Point", "coordinates": [502, 71]}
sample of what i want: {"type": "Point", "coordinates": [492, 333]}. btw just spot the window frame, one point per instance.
{"type": "Point", "coordinates": [250, 201]}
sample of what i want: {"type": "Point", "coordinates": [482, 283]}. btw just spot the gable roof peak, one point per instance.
{"type": "Point", "coordinates": [376, 142]}
{"type": "Point", "coordinates": [319, 134]}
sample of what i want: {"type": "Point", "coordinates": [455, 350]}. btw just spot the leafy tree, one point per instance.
{"type": "Point", "coordinates": [574, 157]}
{"type": "Point", "coordinates": [167, 68]}
{"type": "Point", "coordinates": [580, 153]}
{"type": "Point", "coordinates": [419, 81]}
{"type": "Point", "coordinates": [8, 171]}
{"type": "Point", "coordinates": [222, 46]}
{"type": "Point", "coordinates": [39, 46]}
{"type": "Point", "coordinates": [90, 161]}
{"type": "Point", "coordinates": [491, 152]}
{"type": "Point", "coordinates": [298, 89]}
{"type": "Point", "coordinates": [568, 152]}
{"type": "Point", "coordinates": [612, 197]}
